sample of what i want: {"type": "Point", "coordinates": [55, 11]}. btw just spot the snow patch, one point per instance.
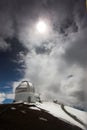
{"type": "Point", "coordinates": [57, 111]}
{"type": "Point", "coordinates": [34, 108]}
{"type": "Point", "coordinates": [13, 108]}
{"type": "Point", "coordinates": [41, 118]}
{"type": "Point", "coordinates": [24, 112]}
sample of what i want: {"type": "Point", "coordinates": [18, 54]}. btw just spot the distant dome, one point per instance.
{"type": "Point", "coordinates": [25, 86]}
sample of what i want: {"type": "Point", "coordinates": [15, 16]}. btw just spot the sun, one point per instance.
{"type": "Point", "coordinates": [41, 27]}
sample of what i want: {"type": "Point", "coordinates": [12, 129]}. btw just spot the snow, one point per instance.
{"type": "Point", "coordinates": [41, 118]}
{"type": "Point", "coordinates": [23, 85]}
{"type": "Point", "coordinates": [34, 108]}
{"type": "Point", "coordinates": [57, 111]}
{"type": "Point", "coordinates": [81, 114]}
{"type": "Point", "coordinates": [24, 112]}
{"type": "Point", "coordinates": [13, 108]}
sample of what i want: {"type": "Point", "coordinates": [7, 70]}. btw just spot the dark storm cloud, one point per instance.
{"type": "Point", "coordinates": [58, 11]}
{"type": "Point", "coordinates": [62, 15]}
{"type": "Point", "coordinates": [80, 13]}
{"type": "Point", "coordinates": [68, 26]}
{"type": "Point", "coordinates": [16, 53]}
{"type": "Point", "coordinates": [17, 14]}
{"type": "Point", "coordinates": [6, 23]}
{"type": "Point", "coordinates": [80, 95]}
{"type": "Point", "coordinates": [42, 50]}
{"type": "Point", "coordinates": [76, 51]}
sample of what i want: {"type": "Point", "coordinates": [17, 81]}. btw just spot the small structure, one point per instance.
{"type": "Point", "coordinates": [26, 92]}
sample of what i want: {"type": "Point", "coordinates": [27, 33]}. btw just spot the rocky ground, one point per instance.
{"type": "Point", "coordinates": [21, 117]}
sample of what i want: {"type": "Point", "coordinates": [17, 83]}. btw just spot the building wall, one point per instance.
{"type": "Point", "coordinates": [25, 96]}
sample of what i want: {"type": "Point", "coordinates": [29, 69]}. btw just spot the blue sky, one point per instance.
{"type": "Point", "coordinates": [9, 66]}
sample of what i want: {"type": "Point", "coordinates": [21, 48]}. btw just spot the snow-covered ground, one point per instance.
{"type": "Point", "coordinates": [57, 111]}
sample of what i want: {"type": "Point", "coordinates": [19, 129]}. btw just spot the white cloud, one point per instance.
{"type": "Point", "coordinates": [10, 96]}
{"type": "Point", "coordinates": [2, 97]}
{"type": "Point", "coordinates": [49, 75]}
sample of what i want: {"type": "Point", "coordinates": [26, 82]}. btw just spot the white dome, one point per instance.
{"type": "Point", "coordinates": [25, 86]}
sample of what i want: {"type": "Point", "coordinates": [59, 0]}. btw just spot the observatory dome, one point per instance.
{"type": "Point", "coordinates": [25, 86]}
{"type": "Point", "coordinates": [25, 92]}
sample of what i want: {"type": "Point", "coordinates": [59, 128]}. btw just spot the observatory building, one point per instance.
{"type": "Point", "coordinates": [26, 92]}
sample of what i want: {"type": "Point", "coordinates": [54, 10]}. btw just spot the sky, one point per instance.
{"type": "Point", "coordinates": [54, 61]}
